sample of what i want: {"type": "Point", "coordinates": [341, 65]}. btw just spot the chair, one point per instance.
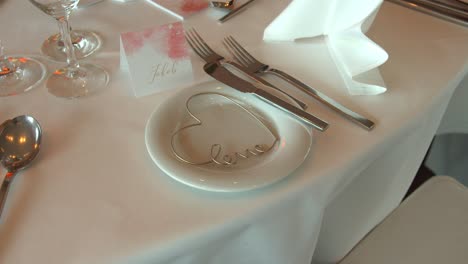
{"type": "Point", "coordinates": [430, 226]}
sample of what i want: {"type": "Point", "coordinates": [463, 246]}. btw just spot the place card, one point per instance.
{"type": "Point", "coordinates": [157, 58]}
{"type": "Point", "coordinates": [181, 8]}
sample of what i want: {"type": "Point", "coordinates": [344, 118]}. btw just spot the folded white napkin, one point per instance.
{"type": "Point", "coordinates": [343, 22]}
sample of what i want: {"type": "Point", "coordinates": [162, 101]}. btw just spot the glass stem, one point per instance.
{"type": "Point", "coordinates": [69, 49]}
{"type": "Point", "coordinates": [6, 67]}
{"type": "Point", "coordinates": [2, 51]}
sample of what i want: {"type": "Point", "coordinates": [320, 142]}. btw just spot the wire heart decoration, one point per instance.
{"type": "Point", "coordinates": [216, 150]}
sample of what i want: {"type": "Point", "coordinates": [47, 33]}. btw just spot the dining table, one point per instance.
{"type": "Point", "coordinates": [94, 194]}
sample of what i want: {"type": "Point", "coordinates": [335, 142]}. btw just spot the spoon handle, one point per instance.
{"type": "Point", "coordinates": [4, 190]}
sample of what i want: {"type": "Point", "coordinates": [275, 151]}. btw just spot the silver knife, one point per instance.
{"type": "Point", "coordinates": [324, 99]}
{"type": "Point", "coordinates": [217, 71]}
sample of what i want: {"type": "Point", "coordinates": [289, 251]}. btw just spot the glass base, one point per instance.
{"type": "Point", "coordinates": [84, 42]}
{"type": "Point", "coordinates": [77, 82]}
{"type": "Point", "coordinates": [20, 75]}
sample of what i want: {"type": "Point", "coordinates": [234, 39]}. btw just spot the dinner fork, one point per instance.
{"type": "Point", "coordinates": [253, 66]}
{"type": "Point", "coordinates": [202, 49]}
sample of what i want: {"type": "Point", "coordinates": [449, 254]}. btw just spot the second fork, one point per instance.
{"type": "Point", "coordinates": [253, 66]}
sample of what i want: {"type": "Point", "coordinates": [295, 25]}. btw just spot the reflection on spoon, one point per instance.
{"type": "Point", "coordinates": [20, 141]}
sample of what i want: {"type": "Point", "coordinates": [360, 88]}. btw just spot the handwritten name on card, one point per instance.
{"type": "Point", "coordinates": [158, 58]}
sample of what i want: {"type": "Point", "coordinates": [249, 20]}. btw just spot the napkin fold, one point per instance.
{"type": "Point", "coordinates": [343, 24]}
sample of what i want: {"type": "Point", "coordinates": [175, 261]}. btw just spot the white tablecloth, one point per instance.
{"type": "Point", "coordinates": [94, 195]}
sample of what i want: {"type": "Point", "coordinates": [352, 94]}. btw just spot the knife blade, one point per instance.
{"type": "Point", "coordinates": [262, 81]}
{"type": "Point", "coordinates": [217, 71]}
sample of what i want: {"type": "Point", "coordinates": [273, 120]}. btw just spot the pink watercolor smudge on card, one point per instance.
{"type": "Point", "coordinates": [167, 40]}
{"type": "Point", "coordinates": [177, 46]}
{"type": "Point", "coordinates": [132, 42]}
{"type": "Point", "coordinates": [149, 32]}
{"type": "Point", "coordinates": [170, 40]}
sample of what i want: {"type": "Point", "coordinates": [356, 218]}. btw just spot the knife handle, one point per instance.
{"type": "Point", "coordinates": [287, 107]}
{"type": "Point", "coordinates": [337, 107]}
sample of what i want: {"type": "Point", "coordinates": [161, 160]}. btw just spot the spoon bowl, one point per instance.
{"type": "Point", "coordinates": [2, 126]}
{"type": "Point", "coordinates": [20, 142]}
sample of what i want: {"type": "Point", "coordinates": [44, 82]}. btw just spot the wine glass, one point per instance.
{"type": "Point", "coordinates": [85, 42]}
{"type": "Point", "coordinates": [75, 79]}
{"type": "Point", "coordinates": [19, 74]}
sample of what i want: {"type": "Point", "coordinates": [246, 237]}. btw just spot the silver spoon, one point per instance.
{"type": "Point", "coordinates": [2, 126]}
{"type": "Point", "coordinates": [19, 144]}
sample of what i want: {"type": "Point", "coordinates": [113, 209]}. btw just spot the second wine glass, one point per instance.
{"type": "Point", "coordinates": [85, 42]}
{"type": "Point", "coordinates": [76, 79]}
{"type": "Point", "coordinates": [19, 74]}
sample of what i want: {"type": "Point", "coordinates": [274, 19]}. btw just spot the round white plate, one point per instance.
{"type": "Point", "coordinates": [226, 124]}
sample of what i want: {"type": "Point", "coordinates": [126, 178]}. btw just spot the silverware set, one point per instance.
{"type": "Point", "coordinates": [254, 66]}
{"type": "Point", "coordinates": [215, 68]}
{"type": "Point", "coordinates": [207, 54]}
{"type": "Point", "coordinates": [247, 64]}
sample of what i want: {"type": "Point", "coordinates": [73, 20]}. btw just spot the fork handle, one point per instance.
{"type": "Point", "coordinates": [339, 108]}
{"type": "Point", "coordinates": [289, 108]}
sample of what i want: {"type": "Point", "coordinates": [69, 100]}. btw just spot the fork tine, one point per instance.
{"type": "Point", "coordinates": [237, 56]}
{"type": "Point", "coordinates": [192, 44]}
{"type": "Point", "coordinates": [198, 47]}
{"type": "Point", "coordinates": [202, 42]}
{"type": "Point", "coordinates": [197, 44]}
{"type": "Point", "coordinates": [231, 52]}
{"type": "Point", "coordinates": [244, 51]}
{"type": "Point", "coordinates": [240, 54]}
